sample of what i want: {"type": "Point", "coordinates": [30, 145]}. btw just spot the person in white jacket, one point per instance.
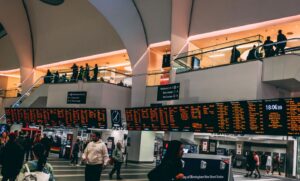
{"type": "Point", "coordinates": [96, 157]}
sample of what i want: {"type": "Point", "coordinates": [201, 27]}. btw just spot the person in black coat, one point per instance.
{"type": "Point", "coordinates": [250, 164]}
{"type": "Point", "coordinates": [46, 142]}
{"type": "Point", "coordinates": [75, 73]}
{"type": "Point", "coordinates": [171, 167]}
{"type": "Point", "coordinates": [235, 55]}
{"type": "Point", "coordinates": [12, 157]}
{"type": "Point", "coordinates": [253, 54]}
{"type": "Point", "coordinates": [75, 153]}
{"type": "Point", "coordinates": [27, 147]}
{"type": "Point", "coordinates": [268, 47]}
{"type": "Point", "coordinates": [87, 72]}
{"type": "Point", "coordinates": [281, 43]}
{"type": "Point", "coordinates": [96, 71]}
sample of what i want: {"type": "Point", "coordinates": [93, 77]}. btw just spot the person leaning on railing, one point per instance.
{"type": "Point", "coordinates": [268, 47]}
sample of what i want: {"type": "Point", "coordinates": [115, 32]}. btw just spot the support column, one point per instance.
{"type": "Point", "coordinates": [125, 19]}
{"type": "Point", "coordinates": [17, 27]}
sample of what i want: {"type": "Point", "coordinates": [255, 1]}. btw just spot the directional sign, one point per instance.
{"type": "Point", "coordinates": [168, 92]}
{"type": "Point", "coordinates": [116, 118]}
{"type": "Point", "coordinates": [76, 97]}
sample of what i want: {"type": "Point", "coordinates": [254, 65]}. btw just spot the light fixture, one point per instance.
{"type": "Point", "coordinates": [216, 55]}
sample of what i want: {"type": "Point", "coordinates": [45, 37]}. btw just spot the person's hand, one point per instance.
{"type": "Point", "coordinates": [179, 176]}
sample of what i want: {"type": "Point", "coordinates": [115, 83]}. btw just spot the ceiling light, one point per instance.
{"type": "Point", "coordinates": [128, 68]}
{"type": "Point", "coordinates": [217, 55]}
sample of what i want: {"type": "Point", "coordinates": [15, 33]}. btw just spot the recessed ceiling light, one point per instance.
{"type": "Point", "coordinates": [290, 33]}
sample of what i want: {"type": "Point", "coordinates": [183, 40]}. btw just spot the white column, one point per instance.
{"type": "Point", "coordinates": [17, 27]}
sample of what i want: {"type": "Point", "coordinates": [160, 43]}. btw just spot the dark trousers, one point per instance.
{"type": "Point", "coordinates": [276, 168]}
{"type": "Point", "coordinates": [280, 49]}
{"type": "Point", "coordinates": [9, 178]}
{"type": "Point", "coordinates": [257, 170]}
{"type": "Point", "coordinates": [74, 158]}
{"type": "Point", "coordinates": [117, 167]}
{"type": "Point", "coordinates": [93, 172]}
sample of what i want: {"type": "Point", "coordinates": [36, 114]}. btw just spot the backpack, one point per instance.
{"type": "Point", "coordinates": [34, 176]}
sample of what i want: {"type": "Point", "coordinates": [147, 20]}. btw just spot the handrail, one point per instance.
{"type": "Point", "coordinates": [258, 54]}
{"type": "Point", "coordinates": [25, 94]}
{"type": "Point", "coordinates": [178, 55]}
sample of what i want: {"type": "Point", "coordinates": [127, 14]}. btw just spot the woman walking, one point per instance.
{"type": "Point", "coordinates": [117, 156]}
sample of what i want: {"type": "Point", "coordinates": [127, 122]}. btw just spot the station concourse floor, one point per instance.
{"type": "Point", "coordinates": [63, 171]}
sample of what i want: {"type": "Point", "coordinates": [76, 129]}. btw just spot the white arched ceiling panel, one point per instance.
{"type": "Point", "coordinates": [212, 15]}
{"type": "Point", "coordinates": [71, 30]}
{"type": "Point", "coordinates": [156, 15]}
{"type": "Point", "coordinates": [124, 17]}
{"type": "Point", "coordinates": [8, 56]}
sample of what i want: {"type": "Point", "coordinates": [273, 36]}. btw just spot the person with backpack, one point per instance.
{"type": "Point", "coordinates": [117, 156]}
{"type": "Point", "coordinates": [171, 167]}
{"type": "Point", "coordinates": [38, 168]}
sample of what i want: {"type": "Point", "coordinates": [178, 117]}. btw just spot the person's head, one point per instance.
{"type": "Point", "coordinates": [96, 65]}
{"type": "Point", "coordinates": [279, 31]}
{"type": "Point", "coordinates": [12, 137]}
{"type": "Point", "coordinates": [268, 38]}
{"type": "Point", "coordinates": [77, 140]}
{"type": "Point", "coordinates": [39, 154]}
{"type": "Point", "coordinates": [174, 150]}
{"type": "Point", "coordinates": [16, 132]}
{"type": "Point", "coordinates": [254, 153]}
{"type": "Point", "coordinates": [86, 64]}
{"type": "Point", "coordinates": [119, 145]}
{"type": "Point", "coordinates": [234, 47]}
{"type": "Point", "coordinates": [95, 136]}
{"type": "Point", "coordinates": [4, 134]}
{"type": "Point", "coordinates": [45, 136]}
{"type": "Point", "coordinates": [254, 47]}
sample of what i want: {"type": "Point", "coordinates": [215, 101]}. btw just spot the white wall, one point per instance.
{"type": "Point", "coordinates": [227, 83]}
{"type": "Point", "coordinates": [41, 91]}
{"type": "Point", "coordinates": [99, 95]}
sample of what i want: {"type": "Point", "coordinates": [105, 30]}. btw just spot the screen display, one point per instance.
{"type": "Point", "coordinates": [83, 117]}
{"type": "Point", "coordinates": [266, 117]}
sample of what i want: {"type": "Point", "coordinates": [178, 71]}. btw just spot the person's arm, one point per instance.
{"type": "Point", "coordinates": [105, 154]}
{"type": "Point", "coordinates": [85, 153]}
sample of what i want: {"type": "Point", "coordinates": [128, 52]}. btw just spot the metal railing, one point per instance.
{"type": "Point", "coordinates": [215, 56]}
{"type": "Point", "coordinates": [290, 46]}
{"type": "Point", "coordinates": [103, 75]}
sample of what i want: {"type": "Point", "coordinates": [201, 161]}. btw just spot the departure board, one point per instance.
{"type": "Point", "coordinates": [265, 117]}
{"type": "Point", "coordinates": [72, 117]}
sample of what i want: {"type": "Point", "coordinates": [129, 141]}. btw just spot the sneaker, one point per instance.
{"type": "Point", "coordinates": [119, 178]}
{"type": "Point", "coordinates": [78, 165]}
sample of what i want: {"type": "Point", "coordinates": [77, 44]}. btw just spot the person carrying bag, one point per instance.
{"type": "Point", "coordinates": [38, 169]}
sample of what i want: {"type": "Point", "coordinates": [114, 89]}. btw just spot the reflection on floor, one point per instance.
{"type": "Point", "coordinates": [132, 172]}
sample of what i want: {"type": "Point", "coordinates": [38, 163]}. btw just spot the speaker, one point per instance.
{"type": "Point", "coordinates": [166, 60]}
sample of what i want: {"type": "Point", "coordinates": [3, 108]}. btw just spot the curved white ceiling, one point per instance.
{"type": "Point", "coordinates": [156, 15]}
{"type": "Point", "coordinates": [212, 15]}
{"type": "Point", "coordinates": [70, 30]}
{"type": "Point", "coordinates": [8, 56]}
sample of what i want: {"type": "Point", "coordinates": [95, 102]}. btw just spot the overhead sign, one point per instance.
{"type": "Point", "coordinates": [83, 117]}
{"type": "Point", "coordinates": [265, 117]}
{"type": "Point", "coordinates": [116, 119]}
{"type": "Point", "coordinates": [78, 97]}
{"type": "Point", "coordinates": [168, 92]}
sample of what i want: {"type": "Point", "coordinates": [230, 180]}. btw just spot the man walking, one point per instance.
{"type": "Point", "coordinates": [96, 157]}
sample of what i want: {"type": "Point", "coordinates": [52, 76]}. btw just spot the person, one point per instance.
{"type": "Point", "coordinates": [27, 147]}
{"type": "Point", "coordinates": [80, 73]}
{"type": "Point", "coordinates": [253, 53]}
{"type": "Point", "coordinates": [74, 73]}
{"type": "Point", "coordinates": [96, 157]}
{"type": "Point", "coordinates": [268, 47]}
{"type": "Point", "coordinates": [117, 156]}
{"type": "Point", "coordinates": [4, 138]}
{"type": "Point", "coordinates": [39, 164]}
{"type": "Point", "coordinates": [12, 157]}
{"type": "Point", "coordinates": [87, 72]}
{"type": "Point", "coordinates": [56, 77]}
{"type": "Point", "coordinates": [250, 164]}
{"type": "Point", "coordinates": [63, 78]}
{"type": "Point", "coordinates": [171, 167]}
{"type": "Point", "coordinates": [281, 43]}
{"type": "Point", "coordinates": [47, 144]}
{"type": "Point", "coordinates": [257, 163]}
{"type": "Point", "coordinates": [37, 139]}
{"type": "Point", "coordinates": [268, 164]}
{"type": "Point", "coordinates": [235, 55]}
{"type": "Point", "coordinates": [96, 71]}
{"type": "Point", "coordinates": [75, 152]}
{"type": "Point", "coordinates": [48, 77]}
{"type": "Point", "coordinates": [276, 164]}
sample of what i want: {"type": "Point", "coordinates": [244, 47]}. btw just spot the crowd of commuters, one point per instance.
{"type": "Point", "coordinates": [270, 48]}
{"type": "Point", "coordinates": [78, 73]}
{"type": "Point", "coordinates": [253, 162]}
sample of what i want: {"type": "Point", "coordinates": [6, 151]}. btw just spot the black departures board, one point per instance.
{"type": "Point", "coordinates": [71, 117]}
{"type": "Point", "coordinates": [263, 117]}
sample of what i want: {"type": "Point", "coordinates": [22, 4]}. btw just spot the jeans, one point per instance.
{"type": "Point", "coordinates": [117, 167]}
{"type": "Point", "coordinates": [93, 172]}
